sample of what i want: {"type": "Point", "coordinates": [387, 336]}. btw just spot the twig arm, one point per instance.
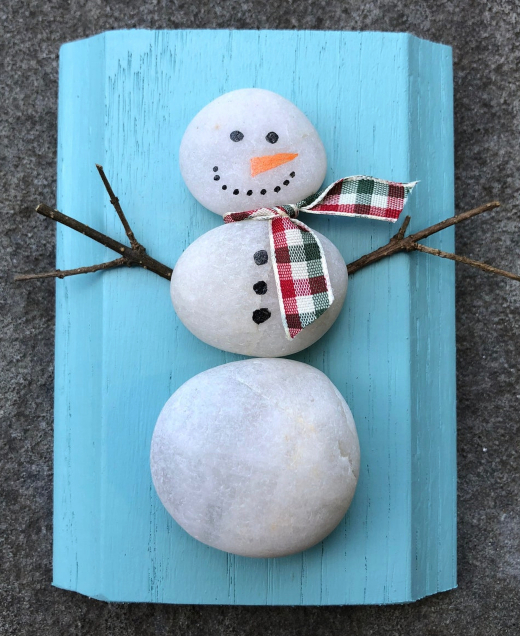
{"type": "Point", "coordinates": [400, 243]}
{"type": "Point", "coordinates": [137, 258]}
{"type": "Point", "coordinates": [62, 273]}
{"type": "Point", "coordinates": [402, 230]}
{"type": "Point", "coordinates": [453, 220]}
{"type": "Point", "coordinates": [393, 247]}
{"type": "Point", "coordinates": [80, 227]}
{"type": "Point", "coordinates": [117, 206]}
{"type": "Point", "coordinates": [467, 261]}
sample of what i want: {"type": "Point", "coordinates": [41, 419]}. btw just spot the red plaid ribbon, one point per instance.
{"type": "Point", "coordinates": [302, 277]}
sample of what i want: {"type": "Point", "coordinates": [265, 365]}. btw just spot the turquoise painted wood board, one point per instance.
{"type": "Point", "coordinates": [382, 104]}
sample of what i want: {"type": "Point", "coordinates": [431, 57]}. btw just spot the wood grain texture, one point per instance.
{"type": "Point", "coordinates": [382, 104]}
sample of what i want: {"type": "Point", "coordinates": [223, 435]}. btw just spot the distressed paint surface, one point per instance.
{"type": "Point", "coordinates": [382, 104]}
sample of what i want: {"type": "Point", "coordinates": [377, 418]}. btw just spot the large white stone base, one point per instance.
{"type": "Point", "coordinates": [258, 458]}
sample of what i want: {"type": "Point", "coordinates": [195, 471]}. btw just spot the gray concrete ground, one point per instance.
{"type": "Point", "coordinates": [485, 38]}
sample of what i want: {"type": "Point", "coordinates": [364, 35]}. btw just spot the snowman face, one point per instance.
{"type": "Point", "coordinates": [251, 148]}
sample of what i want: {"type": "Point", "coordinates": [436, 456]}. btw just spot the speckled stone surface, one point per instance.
{"type": "Point", "coordinates": [487, 126]}
{"type": "Point", "coordinates": [225, 315]}
{"type": "Point", "coordinates": [232, 159]}
{"type": "Point", "coordinates": [266, 474]}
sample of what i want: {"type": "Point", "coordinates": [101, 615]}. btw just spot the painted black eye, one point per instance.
{"type": "Point", "coordinates": [272, 137]}
{"type": "Point", "coordinates": [236, 135]}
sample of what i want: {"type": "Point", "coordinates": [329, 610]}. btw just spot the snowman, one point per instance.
{"type": "Point", "coordinates": [261, 457]}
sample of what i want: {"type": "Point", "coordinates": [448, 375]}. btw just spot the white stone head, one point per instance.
{"type": "Point", "coordinates": [251, 148]}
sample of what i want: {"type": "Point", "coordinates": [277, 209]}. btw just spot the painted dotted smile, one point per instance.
{"type": "Point", "coordinates": [236, 191]}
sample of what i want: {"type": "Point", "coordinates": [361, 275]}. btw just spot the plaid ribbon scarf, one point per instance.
{"type": "Point", "coordinates": [302, 277]}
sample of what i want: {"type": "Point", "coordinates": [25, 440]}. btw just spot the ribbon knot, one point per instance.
{"type": "Point", "coordinates": [290, 211]}
{"type": "Point", "coordinates": [300, 267]}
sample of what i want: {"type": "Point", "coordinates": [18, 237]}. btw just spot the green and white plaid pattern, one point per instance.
{"type": "Point", "coordinates": [360, 196]}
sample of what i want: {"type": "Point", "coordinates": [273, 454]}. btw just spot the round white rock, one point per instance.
{"type": "Point", "coordinates": [225, 276]}
{"type": "Point", "coordinates": [259, 458]}
{"type": "Point", "coordinates": [251, 148]}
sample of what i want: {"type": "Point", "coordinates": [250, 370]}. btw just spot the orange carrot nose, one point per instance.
{"type": "Point", "coordinates": [268, 162]}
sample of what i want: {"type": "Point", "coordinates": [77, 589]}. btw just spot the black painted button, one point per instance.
{"type": "Point", "coordinates": [263, 191]}
{"type": "Point", "coordinates": [249, 193]}
{"type": "Point", "coordinates": [215, 168]}
{"type": "Point", "coordinates": [261, 257]}
{"type": "Point", "coordinates": [261, 315]}
{"type": "Point", "coordinates": [235, 191]}
{"type": "Point", "coordinates": [216, 177]}
{"type": "Point", "coordinates": [277, 189]}
{"type": "Point", "coordinates": [260, 288]}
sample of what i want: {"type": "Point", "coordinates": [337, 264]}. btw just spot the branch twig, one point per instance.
{"type": "Point", "coordinates": [467, 261]}
{"type": "Point", "coordinates": [134, 255]}
{"type": "Point", "coordinates": [61, 273]}
{"type": "Point", "coordinates": [399, 244]}
{"type": "Point", "coordinates": [131, 256]}
{"type": "Point", "coordinates": [115, 202]}
{"type": "Point", "coordinates": [402, 230]}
